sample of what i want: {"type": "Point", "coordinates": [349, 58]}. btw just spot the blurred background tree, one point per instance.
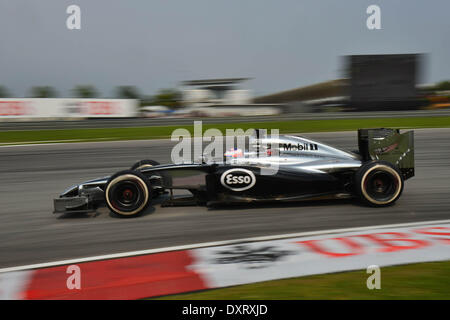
{"type": "Point", "coordinates": [85, 91]}
{"type": "Point", "coordinates": [43, 92]}
{"type": "Point", "coordinates": [4, 92]}
{"type": "Point", "coordinates": [167, 97]}
{"type": "Point", "coordinates": [127, 92]}
{"type": "Point", "coordinates": [443, 85]}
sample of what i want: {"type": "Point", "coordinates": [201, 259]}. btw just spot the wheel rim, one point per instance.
{"type": "Point", "coordinates": [381, 185]}
{"type": "Point", "coordinates": [127, 194]}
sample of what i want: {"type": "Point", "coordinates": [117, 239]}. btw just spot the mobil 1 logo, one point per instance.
{"type": "Point", "coordinates": [238, 179]}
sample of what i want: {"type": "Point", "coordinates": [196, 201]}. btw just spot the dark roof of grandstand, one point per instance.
{"type": "Point", "coordinates": [213, 81]}
{"type": "Point", "coordinates": [321, 90]}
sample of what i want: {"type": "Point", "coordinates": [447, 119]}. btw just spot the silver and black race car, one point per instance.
{"type": "Point", "coordinates": [306, 170]}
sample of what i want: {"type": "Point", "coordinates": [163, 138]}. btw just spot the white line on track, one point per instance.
{"type": "Point", "coordinates": [66, 142]}
{"type": "Point", "coordinates": [215, 243]}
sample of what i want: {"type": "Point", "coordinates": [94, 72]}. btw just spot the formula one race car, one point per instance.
{"type": "Point", "coordinates": [306, 170]}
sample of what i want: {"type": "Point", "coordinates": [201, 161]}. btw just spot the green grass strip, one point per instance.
{"type": "Point", "coordinates": [415, 281]}
{"type": "Point", "coordinates": [156, 132]}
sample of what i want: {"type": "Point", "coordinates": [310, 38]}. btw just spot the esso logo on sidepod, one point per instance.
{"type": "Point", "coordinates": [238, 179]}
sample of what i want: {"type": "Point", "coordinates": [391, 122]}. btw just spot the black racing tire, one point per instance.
{"type": "Point", "coordinates": [144, 163]}
{"type": "Point", "coordinates": [128, 193]}
{"type": "Point", "coordinates": [378, 183]}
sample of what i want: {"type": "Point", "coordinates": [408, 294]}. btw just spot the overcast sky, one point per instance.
{"type": "Point", "coordinates": [155, 44]}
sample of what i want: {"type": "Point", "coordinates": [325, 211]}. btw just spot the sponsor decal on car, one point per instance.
{"type": "Point", "coordinates": [386, 149]}
{"type": "Point", "coordinates": [238, 179]}
{"type": "Point", "coordinates": [299, 147]}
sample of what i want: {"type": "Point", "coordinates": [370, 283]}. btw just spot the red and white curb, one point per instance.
{"type": "Point", "coordinates": [156, 272]}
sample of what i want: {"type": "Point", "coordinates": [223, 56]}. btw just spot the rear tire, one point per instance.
{"type": "Point", "coordinates": [128, 193]}
{"type": "Point", "coordinates": [378, 183]}
{"type": "Point", "coordinates": [144, 164]}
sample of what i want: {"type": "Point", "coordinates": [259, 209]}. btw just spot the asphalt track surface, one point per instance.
{"type": "Point", "coordinates": [31, 176]}
{"type": "Point", "coordinates": [143, 122]}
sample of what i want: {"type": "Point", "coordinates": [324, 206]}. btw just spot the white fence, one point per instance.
{"type": "Point", "coordinates": [35, 109]}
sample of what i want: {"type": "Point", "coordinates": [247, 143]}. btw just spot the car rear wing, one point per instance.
{"type": "Point", "coordinates": [388, 145]}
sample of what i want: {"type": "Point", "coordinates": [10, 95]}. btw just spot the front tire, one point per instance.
{"type": "Point", "coordinates": [378, 183]}
{"type": "Point", "coordinates": [128, 193]}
